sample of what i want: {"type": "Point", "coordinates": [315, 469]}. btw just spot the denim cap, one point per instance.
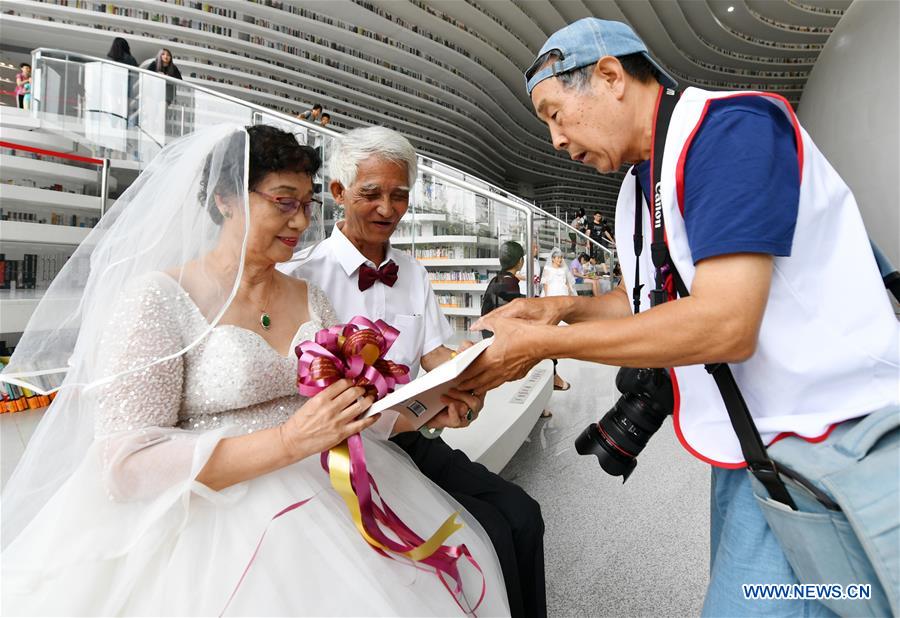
{"type": "Point", "coordinates": [583, 43]}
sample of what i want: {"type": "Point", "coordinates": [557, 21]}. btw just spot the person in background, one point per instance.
{"type": "Point", "coordinates": [312, 114]}
{"type": "Point", "coordinates": [23, 86]}
{"type": "Point", "coordinates": [596, 268]}
{"type": "Point", "coordinates": [598, 274]}
{"type": "Point", "coordinates": [557, 280]}
{"type": "Point", "coordinates": [616, 275]}
{"type": "Point", "coordinates": [164, 64]}
{"type": "Point", "coordinates": [120, 51]}
{"type": "Point", "coordinates": [504, 287]}
{"type": "Point", "coordinates": [598, 229]}
{"type": "Point", "coordinates": [326, 120]}
{"type": "Point", "coordinates": [577, 266]}
{"type": "Point", "coordinates": [578, 223]}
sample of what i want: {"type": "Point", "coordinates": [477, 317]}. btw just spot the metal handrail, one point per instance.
{"type": "Point", "coordinates": [38, 52]}
{"type": "Point", "coordinates": [534, 207]}
{"type": "Point", "coordinates": [529, 215]}
{"type": "Point", "coordinates": [577, 232]}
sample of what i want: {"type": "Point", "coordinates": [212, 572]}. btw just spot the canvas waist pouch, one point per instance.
{"type": "Point", "coordinates": [858, 467]}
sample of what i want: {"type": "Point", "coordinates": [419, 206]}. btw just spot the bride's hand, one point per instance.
{"type": "Point", "coordinates": [326, 420]}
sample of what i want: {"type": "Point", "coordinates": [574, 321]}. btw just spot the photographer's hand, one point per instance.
{"type": "Point", "coordinates": [510, 357]}
{"type": "Point", "coordinates": [540, 310]}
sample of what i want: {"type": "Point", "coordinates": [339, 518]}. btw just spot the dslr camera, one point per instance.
{"type": "Point", "coordinates": [617, 439]}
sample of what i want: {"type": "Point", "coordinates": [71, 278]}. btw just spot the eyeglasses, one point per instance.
{"type": "Point", "coordinates": [289, 206]}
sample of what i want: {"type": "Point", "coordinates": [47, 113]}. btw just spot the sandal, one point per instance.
{"type": "Point", "coordinates": [566, 386]}
{"type": "Point", "coordinates": [546, 414]}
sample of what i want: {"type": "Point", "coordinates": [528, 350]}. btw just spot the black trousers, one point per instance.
{"type": "Point", "coordinates": [511, 518]}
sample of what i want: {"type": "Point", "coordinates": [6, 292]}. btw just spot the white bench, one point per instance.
{"type": "Point", "coordinates": [510, 412]}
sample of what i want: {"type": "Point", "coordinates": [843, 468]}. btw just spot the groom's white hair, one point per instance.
{"type": "Point", "coordinates": [355, 146]}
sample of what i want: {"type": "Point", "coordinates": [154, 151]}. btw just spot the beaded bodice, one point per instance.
{"type": "Point", "coordinates": [232, 376]}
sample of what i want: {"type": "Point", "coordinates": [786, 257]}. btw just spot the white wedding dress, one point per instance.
{"type": "Point", "coordinates": [132, 533]}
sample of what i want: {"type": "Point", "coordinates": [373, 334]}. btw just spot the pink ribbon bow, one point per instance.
{"type": "Point", "coordinates": [354, 350]}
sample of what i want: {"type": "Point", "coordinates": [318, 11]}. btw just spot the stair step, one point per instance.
{"type": "Point", "coordinates": [37, 139]}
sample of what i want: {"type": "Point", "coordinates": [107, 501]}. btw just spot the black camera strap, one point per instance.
{"type": "Point", "coordinates": [638, 242]}
{"type": "Point", "coordinates": [752, 446]}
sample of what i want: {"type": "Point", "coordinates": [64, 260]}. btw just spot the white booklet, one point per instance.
{"type": "Point", "coordinates": [420, 400]}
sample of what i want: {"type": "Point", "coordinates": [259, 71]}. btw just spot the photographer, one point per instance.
{"type": "Point", "coordinates": [759, 227]}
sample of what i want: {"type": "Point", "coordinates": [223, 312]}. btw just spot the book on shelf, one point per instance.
{"type": "Point", "coordinates": [14, 398]}
{"type": "Point", "coordinates": [457, 276]}
{"type": "Point", "coordinates": [55, 218]}
{"type": "Point", "coordinates": [456, 301]}
{"type": "Point", "coordinates": [33, 271]}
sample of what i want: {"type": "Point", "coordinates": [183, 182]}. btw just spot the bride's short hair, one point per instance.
{"type": "Point", "coordinates": [271, 150]}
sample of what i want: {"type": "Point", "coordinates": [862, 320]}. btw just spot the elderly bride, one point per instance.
{"type": "Point", "coordinates": [178, 434]}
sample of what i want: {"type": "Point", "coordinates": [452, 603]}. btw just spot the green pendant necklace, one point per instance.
{"type": "Point", "coordinates": [264, 320]}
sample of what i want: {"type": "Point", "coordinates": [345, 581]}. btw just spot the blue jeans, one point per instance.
{"type": "Point", "coordinates": [743, 550]}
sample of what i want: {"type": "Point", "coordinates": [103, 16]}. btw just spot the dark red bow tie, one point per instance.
{"type": "Point", "coordinates": [387, 274]}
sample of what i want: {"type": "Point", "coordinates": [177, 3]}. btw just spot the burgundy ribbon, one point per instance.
{"type": "Point", "coordinates": [250, 562]}
{"type": "Point", "coordinates": [356, 350]}
{"type": "Point", "coordinates": [443, 561]}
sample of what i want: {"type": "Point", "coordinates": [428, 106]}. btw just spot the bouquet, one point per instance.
{"type": "Point", "coordinates": [356, 351]}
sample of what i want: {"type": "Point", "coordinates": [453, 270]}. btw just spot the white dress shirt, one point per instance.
{"type": "Point", "coordinates": [409, 306]}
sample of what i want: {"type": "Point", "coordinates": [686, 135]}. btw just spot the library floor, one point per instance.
{"type": "Point", "coordinates": [639, 549]}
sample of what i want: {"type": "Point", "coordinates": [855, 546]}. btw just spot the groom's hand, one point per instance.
{"type": "Point", "coordinates": [456, 414]}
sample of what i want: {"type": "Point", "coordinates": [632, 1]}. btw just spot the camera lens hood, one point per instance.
{"type": "Point", "coordinates": [591, 442]}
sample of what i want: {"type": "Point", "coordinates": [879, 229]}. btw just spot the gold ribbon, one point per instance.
{"type": "Point", "coordinates": [339, 473]}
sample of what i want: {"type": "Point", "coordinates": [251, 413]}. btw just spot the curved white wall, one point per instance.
{"type": "Point", "coordinates": [850, 107]}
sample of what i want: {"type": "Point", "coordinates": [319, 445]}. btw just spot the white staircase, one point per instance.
{"type": "Point", "coordinates": [48, 206]}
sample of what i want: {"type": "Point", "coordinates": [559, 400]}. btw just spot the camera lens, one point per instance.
{"type": "Point", "coordinates": [623, 432]}
{"type": "Point", "coordinates": [613, 461]}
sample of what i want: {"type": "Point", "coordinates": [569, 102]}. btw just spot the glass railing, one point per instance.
{"type": "Point", "coordinates": [544, 220]}
{"type": "Point", "coordinates": [455, 224]}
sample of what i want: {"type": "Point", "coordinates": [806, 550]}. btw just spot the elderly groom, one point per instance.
{"type": "Point", "coordinates": [372, 171]}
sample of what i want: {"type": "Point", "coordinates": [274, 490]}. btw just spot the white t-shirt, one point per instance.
{"type": "Point", "coordinates": [409, 306]}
